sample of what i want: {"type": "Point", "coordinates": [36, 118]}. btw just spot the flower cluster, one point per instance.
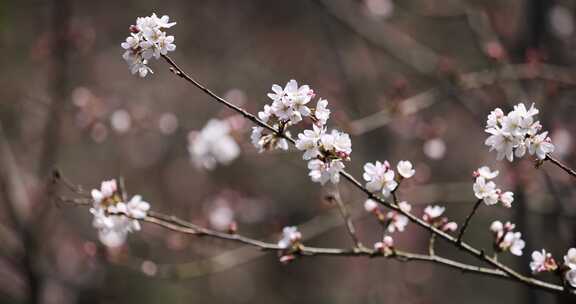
{"type": "Point", "coordinates": [113, 217]}
{"type": "Point", "coordinates": [289, 243]}
{"type": "Point", "coordinates": [392, 221]}
{"type": "Point", "coordinates": [325, 153]}
{"type": "Point", "coordinates": [380, 177]}
{"type": "Point", "coordinates": [290, 237]}
{"type": "Point", "coordinates": [213, 145]}
{"type": "Point", "coordinates": [289, 106]}
{"type": "Point", "coordinates": [486, 190]}
{"type": "Point", "coordinates": [543, 261]}
{"type": "Point", "coordinates": [433, 216]}
{"type": "Point", "coordinates": [147, 40]}
{"type": "Point", "coordinates": [385, 246]}
{"type": "Point", "coordinates": [514, 133]}
{"type": "Point", "coordinates": [505, 239]}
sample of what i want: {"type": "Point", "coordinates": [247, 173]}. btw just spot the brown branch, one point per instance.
{"type": "Point", "coordinates": [477, 253]}
{"type": "Point", "coordinates": [560, 165]}
{"type": "Point", "coordinates": [468, 218]}
{"type": "Point", "coordinates": [345, 213]}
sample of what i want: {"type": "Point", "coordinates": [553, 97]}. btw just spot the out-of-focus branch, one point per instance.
{"type": "Point", "coordinates": [382, 118]}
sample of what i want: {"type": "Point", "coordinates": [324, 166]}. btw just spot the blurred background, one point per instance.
{"type": "Point", "coordinates": [410, 79]}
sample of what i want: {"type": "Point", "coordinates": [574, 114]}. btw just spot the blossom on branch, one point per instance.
{"type": "Point", "coordinates": [486, 190]}
{"type": "Point", "coordinates": [405, 169]}
{"type": "Point", "coordinates": [542, 261]}
{"type": "Point", "coordinates": [514, 133]}
{"type": "Point", "coordinates": [505, 239]}
{"type": "Point", "coordinates": [380, 178]}
{"type": "Point", "coordinates": [147, 40]}
{"type": "Point", "coordinates": [113, 217]}
{"type": "Point", "coordinates": [290, 237]}
{"type": "Point", "coordinates": [433, 216]}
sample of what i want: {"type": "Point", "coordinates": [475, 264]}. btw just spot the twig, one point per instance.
{"type": "Point", "coordinates": [345, 213]}
{"type": "Point", "coordinates": [560, 165]}
{"type": "Point", "coordinates": [479, 254]}
{"type": "Point", "coordinates": [468, 219]}
{"type": "Point", "coordinates": [431, 245]}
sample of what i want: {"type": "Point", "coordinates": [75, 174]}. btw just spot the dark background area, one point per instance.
{"type": "Point", "coordinates": [411, 79]}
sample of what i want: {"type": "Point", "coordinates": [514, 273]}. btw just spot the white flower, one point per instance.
{"type": "Point", "coordinates": [570, 258]}
{"type": "Point", "coordinates": [308, 141]}
{"type": "Point", "coordinates": [507, 198]}
{"type": "Point", "coordinates": [146, 41]}
{"type": "Point", "coordinates": [113, 229]}
{"type": "Point", "coordinates": [290, 103]}
{"type": "Point", "coordinates": [485, 191]}
{"type": "Point", "coordinates": [137, 208]}
{"type": "Point", "coordinates": [322, 172]}
{"type": "Point", "coordinates": [486, 173]}
{"type": "Point", "coordinates": [514, 133]}
{"type": "Point", "coordinates": [370, 205]}
{"type": "Point", "coordinates": [450, 226]}
{"type": "Point", "coordinates": [387, 243]}
{"type": "Point", "coordinates": [290, 237]}
{"type": "Point", "coordinates": [542, 261]}
{"type": "Point", "coordinates": [379, 177]}
{"type": "Point", "coordinates": [322, 113]}
{"type": "Point", "coordinates": [165, 44]}
{"type": "Point", "coordinates": [405, 169]}
{"type": "Point", "coordinates": [494, 118]}
{"type": "Point", "coordinates": [132, 42]}
{"type": "Point", "coordinates": [221, 217]}
{"type": "Point", "coordinates": [213, 145]}
{"type": "Point", "coordinates": [540, 145]}
{"type": "Point", "coordinates": [502, 143]}
{"type": "Point", "coordinates": [512, 242]}
{"type": "Point", "coordinates": [433, 212]}
{"type": "Point", "coordinates": [397, 221]}
{"type": "Point", "coordinates": [570, 277]}
{"type": "Point", "coordinates": [107, 190]}
{"type": "Point", "coordinates": [496, 227]}
{"type": "Point", "coordinates": [336, 141]}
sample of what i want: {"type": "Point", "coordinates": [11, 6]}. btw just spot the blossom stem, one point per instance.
{"type": "Point", "coordinates": [560, 165]}
{"type": "Point", "coordinates": [468, 219]}
{"type": "Point", "coordinates": [479, 254]}
{"type": "Point", "coordinates": [431, 243]}
{"type": "Point", "coordinates": [345, 213]}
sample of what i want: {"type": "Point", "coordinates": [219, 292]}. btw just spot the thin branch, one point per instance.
{"type": "Point", "coordinates": [468, 219]}
{"type": "Point", "coordinates": [431, 244]}
{"type": "Point", "coordinates": [560, 165]}
{"type": "Point", "coordinates": [345, 213]}
{"type": "Point", "coordinates": [477, 253]}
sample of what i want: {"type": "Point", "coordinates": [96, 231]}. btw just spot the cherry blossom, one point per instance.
{"type": "Point", "coordinates": [405, 169]}
{"type": "Point", "coordinates": [147, 41]}
{"type": "Point", "coordinates": [486, 190]}
{"type": "Point", "coordinates": [379, 178]}
{"type": "Point", "coordinates": [514, 133]}
{"type": "Point", "coordinates": [542, 261]}
{"type": "Point", "coordinates": [114, 218]}
{"type": "Point", "coordinates": [506, 239]}
{"type": "Point", "coordinates": [213, 145]}
{"type": "Point", "coordinates": [290, 237]}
